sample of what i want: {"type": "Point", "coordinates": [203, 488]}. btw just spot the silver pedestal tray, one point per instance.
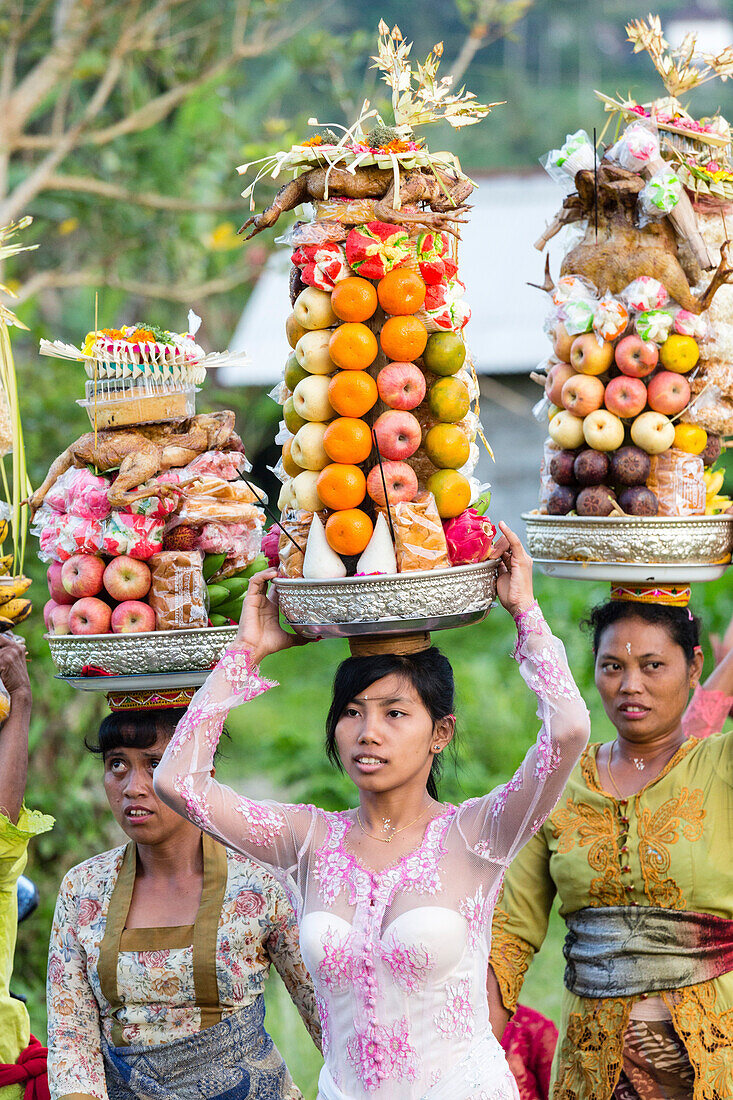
{"type": "Point", "coordinates": [653, 549]}
{"type": "Point", "coordinates": [404, 603]}
{"type": "Point", "coordinates": [156, 681]}
{"type": "Point", "coordinates": [152, 651]}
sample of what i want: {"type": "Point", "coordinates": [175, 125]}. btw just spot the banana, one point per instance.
{"type": "Point", "coordinates": [715, 505]}
{"type": "Point", "coordinates": [6, 564]}
{"type": "Point", "coordinates": [713, 482]}
{"type": "Point", "coordinates": [17, 610]}
{"type": "Point", "coordinates": [3, 529]}
{"type": "Point", "coordinates": [14, 587]}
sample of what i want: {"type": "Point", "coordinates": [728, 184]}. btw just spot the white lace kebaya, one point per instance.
{"type": "Point", "coordinates": [399, 956]}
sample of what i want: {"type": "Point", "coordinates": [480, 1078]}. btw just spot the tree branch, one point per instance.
{"type": "Point", "coordinates": [491, 20]}
{"type": "Point", "coordinates": [61, 280]}
{"type": "Point", "coordinates": [87, 185]}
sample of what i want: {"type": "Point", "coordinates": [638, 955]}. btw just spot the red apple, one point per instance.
{"type": "Point", "coordinates": [626, 396]}
{"type": "Point", "coordinates": [557, 376]}
{"type": "Point", "coordinates": [398, 433]}
{"type": "Point", "coordinates": [582, 394]}
{"type": "Point", "coordinates": [126, 578]}
{"type": "Point", "coordinates": [58, 622]}
{"type": "Point", "coordinates": [48, 609]}
{"type": "Point", "coordinates": [562, 341]}
{"type": "Point", "coordinates": [669, 393]}
{"type": "Point", "coordinates": [56, 589]}
{"type": "Point", "coordinates": [636, 357]}
{"type": "Point", "coordinates": [590, 357]}
{"type": "Point", "coordinates": [90, 616]}
{"type": "Point", "coordinates": [81, 575]}
{"type": "Point", "coordinates": [401, 482]}
{"type": "Point", "coordinates": [132, 617]}
{"type": "Point", "coordinates": [401, 385]}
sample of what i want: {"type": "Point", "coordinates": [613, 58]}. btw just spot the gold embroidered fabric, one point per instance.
{"type": "Point", "coordinates": [708, 1036]}
{"type": "Point", "coordinates": [658, 830]}
{"type": "Point", "coordinates": [589, 1061]}
{"type": "Point", "coordinates": [510, 957]}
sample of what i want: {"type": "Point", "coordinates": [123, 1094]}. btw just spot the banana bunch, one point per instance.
{"type": "Point", "coordinates": [13, 608]}
{"type": "Point", "coordinates": [714, 502]}
{"type": "Point", "coordinates": [226, 596]}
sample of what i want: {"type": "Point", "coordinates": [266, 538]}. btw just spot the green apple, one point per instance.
{"type": "Point", "coordinates": [293, 421]}
{"type": "Point", "coordinates": [294, 373]}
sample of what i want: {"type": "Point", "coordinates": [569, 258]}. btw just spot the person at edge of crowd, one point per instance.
{"type": "Point", "coordinates": [638, 852]}
{"type": "Point", "coordinates": [22, 1056]}
{"type": "Point", "coordinates": [160, 949]}
{"type": "Point", "coordinates": [394, 898]}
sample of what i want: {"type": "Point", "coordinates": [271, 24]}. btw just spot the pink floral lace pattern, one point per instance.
{"type": "Point", "coordinates": [477, 912]}
{"type": "Point", "coordinates": [339, 967]}
{"type": "Point", "coordinates": [456, 1015]}
{"type": "Point", "coordinates": [410, 964]}
{"type": "Point", "coordinates": [324, 1017]}
{"type": "Point", "coordinates": [382, 1053]}
{"type": "Point", "coordinates": [337, 870]}
{"type": "Point", "coordinates": [706, 713]}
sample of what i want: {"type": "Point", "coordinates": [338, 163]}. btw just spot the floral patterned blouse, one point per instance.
{"type": "Point", "coordinates": [151, 986]}
{"type": "Point", "coordinates": [398, 957]}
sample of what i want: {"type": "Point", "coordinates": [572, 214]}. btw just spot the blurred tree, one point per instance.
{"type": "Point", "coordinates": [488, 21]}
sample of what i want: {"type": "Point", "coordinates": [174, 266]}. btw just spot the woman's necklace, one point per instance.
{"type": "Point", "coordinates": [639, 763]}
{"type": "Point", "coordinates": [387, 825]}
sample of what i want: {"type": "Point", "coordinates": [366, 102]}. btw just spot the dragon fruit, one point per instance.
{"type": "Point", "coordinates": [270, 541]}
{"type": "Point", "coordinates": [469, 537]}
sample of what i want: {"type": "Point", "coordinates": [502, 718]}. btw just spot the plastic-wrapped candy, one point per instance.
{"type": "Point", "coordinates": [610, 318]}
{"type": "Point", "coordinates": [214, 500]}
{"type": "Point", "coordinates": [376, 248]}
{"type": "Point", "coordinates": [577, 153]}
{"type": "Point", "coordinates": [686, 323]}
{"type": "Point", "coordinates": [637, 148]}
{"type": "Point", "coordinates": [228, 465]}
{"type": "Point", "coordinates": [319, 231]}
{"type": "Point", "coordinates": [574, 288]}
{"type": "Point", "coordinates": [444, 309]}
{"type": "Point", "coordinates": [61, 536]}
{"type": "Point", "coordinates": [654, 324]}
{"type": "Point", "coordinates": [79, 492]}
{"type": "Point", "coordinates": [469, 537]}
{"type": "Point", "coordinates": [138, 536]}
{"type": "Point", "coordinates": [322, 265]}
{"type": "Point", "coordinates": [225, 538]}
{"type": "Point", "coordinates": [577, 317]}
{"type": "Point", "coordinates": [434, 263]}
{"type": "Point", "coordinates": [644, 293]}
{"type": "Point", "coordinates": [658, 197]}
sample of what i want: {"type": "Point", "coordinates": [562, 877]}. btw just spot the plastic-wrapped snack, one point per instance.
{"type": "Point", "coordinates": [678, 479]}
{"type": "Point", "coordinates": [691, 324]}
{"type": "Point", "coordinates": [61, 536]}
{"type": "Point", "coordinates": [419, 536]}
{"type": "Point", "coordinates": [654, 325]}
{"type": "Point", "coordinates": [178, 590]}
{"type": "Point", "coordinates": [79, 492]}
{"type": "Point", "coordinates": [346, 211]}
{"type": "Point", "coordinates": [374, 249]}
{"type": "Point", "coordinates": [574, 288]}
{"type": "Point", "coordinates": [213, 500]}
{"type": "Point", "coordinates": [315, 232]}
{"type": "Point", "coordinates": [637, 148]}
{"type": "Point", "coordinates": [577, 316]}
{"type": "Point", "coordinates": [242, 539]}
{"type": "Point", "coordinates": [322, 265]}
{"type": "Point", "coordinates": [577, 153]}
{"type": "Point", "coordinates": [432, 252]}
{"type": "Point", "coordinates": [547, 485]}
{"type": "Point", "coordinates": [298, 524]}
{"type": "Point", "coordinates": [229, 465]}
{"type": "Point", "coordinates": [138, 536]}
{"type": "Point", "coordinates": [610, 318]}
{"type": "Point", "coordinates": [158, 505]}
{"type": "Point", "coordinates": [658, 197]}
{"type": "Point", "coordinates": [644, 293]}
{"type": "Point", "coordinates": [444, 309]}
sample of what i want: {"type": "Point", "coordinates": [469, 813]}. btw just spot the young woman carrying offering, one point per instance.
{"type": "Point", "coordinates": [394, 898]}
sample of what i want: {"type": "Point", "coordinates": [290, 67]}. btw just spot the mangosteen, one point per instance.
{"type": "Point", "coordinates": [596, 500]}
{"type": "Point", "coordinates": [712, 451]}
{"type": "Point", "coordinates": [630, 466]}
{"type": "Point", "coordinates": [637, 500]}
{"type": "Point", "coordinates": [561, 468]}
{"type": "Point", "coordinates": [562, 501]}
{"type": "Point", "coordinates": [591, 467]}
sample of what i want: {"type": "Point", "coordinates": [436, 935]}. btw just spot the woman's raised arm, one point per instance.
{"type": "Point", "coordinates": [268, 832]}
{"type": "Point", "coordinates": [497, 825]}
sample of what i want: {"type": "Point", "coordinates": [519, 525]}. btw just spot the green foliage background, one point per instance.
{"type": "Point", "coordinates": [546, 72]}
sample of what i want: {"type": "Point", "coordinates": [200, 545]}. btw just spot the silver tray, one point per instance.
{"type": "Point", "coordinates": [432, 599]}
{"type": "Point", "coordinates": [624, 571]}
{"type": "Point", "coordinates": [634, 540]}
{"type": "Point", "coordinates": [148, 651]}
{"type": "Point", "coordinates": [157, 681]}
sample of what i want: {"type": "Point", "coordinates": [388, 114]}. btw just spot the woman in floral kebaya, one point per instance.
{"type": "Point", "coordinates": [394, 899]}
{"type": "Point", "coordinates": [160, 951]}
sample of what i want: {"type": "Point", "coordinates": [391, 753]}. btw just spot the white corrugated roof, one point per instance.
{"type": "Point", "coordinates": [497, 260]}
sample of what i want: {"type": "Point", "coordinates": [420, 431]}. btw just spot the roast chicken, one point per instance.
{"type": "Point", "coordinates": [141, 453]}
{"type": "Point", "coordinates": [443, 192]}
